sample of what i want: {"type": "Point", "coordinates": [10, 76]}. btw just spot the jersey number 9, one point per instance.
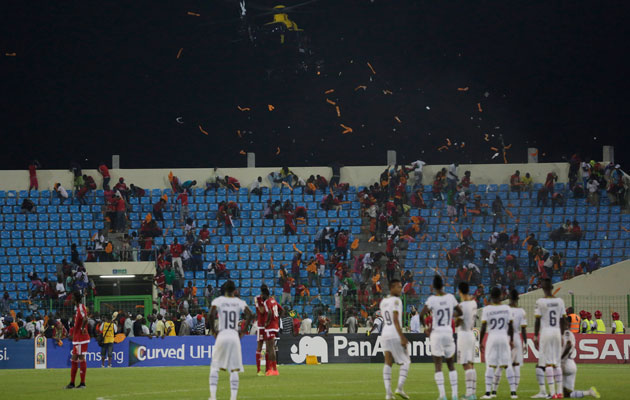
{"type": "Point", "coordinates": [230, 319]}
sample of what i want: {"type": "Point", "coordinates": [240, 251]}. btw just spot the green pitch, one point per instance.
{"type": "Point", "coordinates": [332, 381]}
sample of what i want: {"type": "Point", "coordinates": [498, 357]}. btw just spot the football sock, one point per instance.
{"type": "Point", "coordinates": [439, 380]}
{"type": "Point", "coordinates": [577, 394]}
{"type": "Point", "coordinates": [509, 374]}
{"type": "Point", "coordinates": [387, 378]}
{"type": "Point", "coordinates": [489, 378]}
{"type": "Point", "coordinates": [214, 381]}
{"type": "Point", "coordinates": [549, 374]}
{"type": "Point", "coordinates": [402, 374]}
{"type": "Point", "coordinates": [496, 378]}
{"type": "Point", "coordinates": [557, 378]}
{"type": "Point", "coordinates": [517, 375]}
{"type": "Point", "coordinates": [471, 378]}
{"type": "Point", "coordinates": [274, 365]}
{"type": "Point", "coordinates": [233, 385]}
{"type": "Point", "coordinates": [540, 377]}
{"type": "Point", "coordinates": [258, 361]}
{"type": "Point", "coordinates": [73, 371]}
{"type": "Point", "coordinates": [452, 377]}
{"type": "Point", "coordinates": [83, 370]}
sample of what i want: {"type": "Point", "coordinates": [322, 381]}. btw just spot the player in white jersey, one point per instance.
{"type": "Point", "coordinates": [466, 339]}
{"type": "Point", "coordinates": [227, 348]}
{"type": "Point", "coordinates": [496, 318]}
{"type": "Point", "coordinates": [519, 326]}
{"type": "Point", "coordinates": [393, 341]}
{"type": "Point", "coordinates": [444, 308]}
{"type": "Point", "coordinates": [550, 321]}
{"type": "Point", "coordinates": [569, 368]}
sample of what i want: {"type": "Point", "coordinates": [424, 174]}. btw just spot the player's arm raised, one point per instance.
{"type": "Point", "coordinates": [211, 317]}
{"type": "Point", "coordinates": [403, 339]}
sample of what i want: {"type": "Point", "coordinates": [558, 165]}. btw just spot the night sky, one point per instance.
{"type": "Point", "coordinates": [92, 79]}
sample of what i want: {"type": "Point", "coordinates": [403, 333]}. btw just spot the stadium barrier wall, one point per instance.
{"type": "Point", "coordinates": [346, 348]}
{"type": "Point", "coordinates": [144, 352]}
{"type": "Point", "coordinates": [591, 349]}
{"type": "Point", "coordinates": [359, 176]}
{"type": "Point", "coordinates": [17, 354]}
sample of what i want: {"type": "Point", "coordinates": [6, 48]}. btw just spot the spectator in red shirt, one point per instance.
{"type": "Point", "coordinates": [204, 234]}
{"type": "Point", "coordinates": [219, 270]}
{"type": "Point", "coordinates": [453, 257]}
{"type": "Point", "coordinates": [465, 182]}
{"type": "Point", "coordinates": [121, 220]}
{"type": "Point", "coordinates": [576, 231]}
{"type": "Point", "coordinates": [32, 174]}
{"type": "Point", "coordinates": [579, 269]}
{"type": "Point", "coordinates": [158, 209]}
{"type": "Point", "coordinates": [289, 225]}
{"type": "Point", "coordinates": [515, 240]}
{"type": "Point", "coordinates": [176, 250]}
{"type": "Point", "coordinates": [467, 236]}
{"type": "Point", "coordinates": [342, 244]}
{"type": "Point", "coordinates": [515, 182]}
{"type": "Point", "coordinates": [104, 171]}
{"type": "Point", "coordinates": [121, 186]}
{"type": "Point", "coordinates": [287, 283]}
{"type": "Point", "coordinates": [183, 208]}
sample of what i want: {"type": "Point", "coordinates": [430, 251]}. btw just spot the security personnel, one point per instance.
{"type": "Point", "coordinates": [586, 322]}
{"type": "Point", "coordinates": [617, 326]}
{"type": "Point", "coordinates": [600, 327]}
{"type": "Point", "coordinates": [575, 320]}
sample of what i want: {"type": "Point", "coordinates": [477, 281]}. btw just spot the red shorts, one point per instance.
{"type": "Point", "coordinates": [260, 335]}
{"type": "Point", "coordinates": [271, 334]}
{"type": "Point", "coordinates": [79, 349]}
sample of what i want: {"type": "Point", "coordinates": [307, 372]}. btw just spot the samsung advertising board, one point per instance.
{"type": "Point", "coordinates": [145, 352]}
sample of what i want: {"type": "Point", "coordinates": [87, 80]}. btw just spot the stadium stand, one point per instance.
{"type": "Point", "coordinates": [39, 241]}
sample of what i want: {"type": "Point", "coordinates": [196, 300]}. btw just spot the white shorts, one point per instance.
{"type": "Point", "coordinates": [260, 334]}
{"type": "Point", "coordinates": [226, 354]}
{"type": "Point", "coordinates": [550, 349]}
{"type": "Point", "coordinates": [442, 344]}
{"type": "Point", "coordinates": [465, 347]}
{"type": "Point", "coordinates": [517, 350]}
{"type": "Point", "coordinates": [498, 352]}
{"type": "Point", "coordinates": [400, 353]}
{"type": "Point", "coordinates": [569, 371]}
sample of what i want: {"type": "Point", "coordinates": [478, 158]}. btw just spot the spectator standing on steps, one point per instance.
{"type": "Point", "coordinates": [451, 176]}
{"type": "Point", "coordinates": [104, 171]}
{"type": "Point", "coordinates": [176, 250]}
{"type": "Point", "coordinates": [32, 175]}
{"type": "Point", "coordinates": [183, 209]}
{"type": "Point", "coordinates": [497, 211]}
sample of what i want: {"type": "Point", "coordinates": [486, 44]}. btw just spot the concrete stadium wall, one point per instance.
{"type": "Point", "coordinates": [605, 289]}
{"type": "Point", "coordinates": [358, 176]}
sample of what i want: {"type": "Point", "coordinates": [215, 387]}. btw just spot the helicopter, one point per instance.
{"type": "Point", "coordinates": [282, 18]}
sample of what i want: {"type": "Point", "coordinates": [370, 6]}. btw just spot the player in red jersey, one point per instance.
{"type": "Point", "coordinates": [272, 326]}
{"type": "Point", "coordinates": [80, 340]}
{"type": "Point", "coordinates": [261, 318]}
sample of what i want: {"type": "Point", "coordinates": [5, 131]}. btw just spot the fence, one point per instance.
{"type": "Point", "coordinates": [606, 304]}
